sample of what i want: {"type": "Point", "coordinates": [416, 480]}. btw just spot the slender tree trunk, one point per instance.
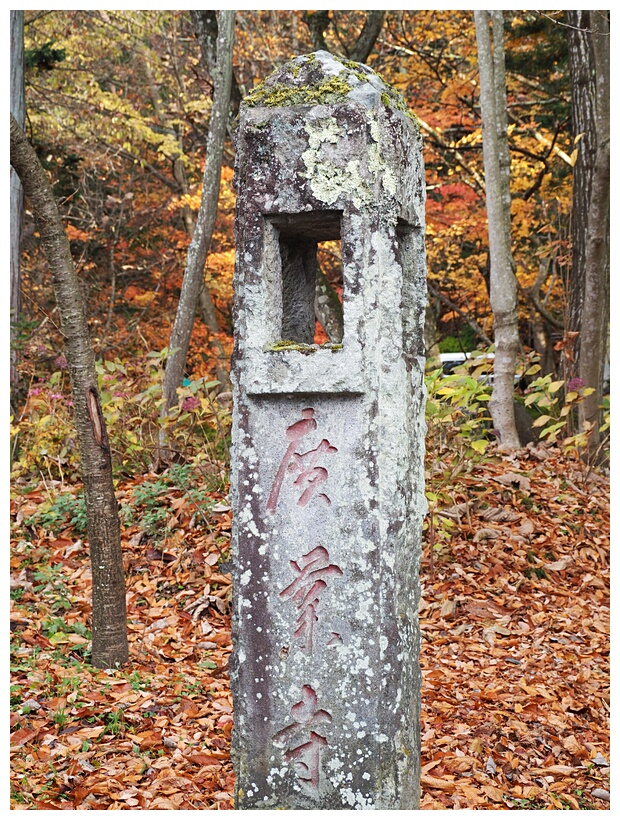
{"type": "Point", "coordinates": [583, 116]}
{"type": "Point", "coordinates": [207, 308]}
{"type": "Point", "coordinates": [496, 169]}
{"type": "Point", "coordinates": [595, 310]}
{"type": "Point", "coordinates": [205, 28]}
{"type": "Point", "coordinates": [319, 21]}
{"type": "Point", "coordinates": [193, 278]}
{"type": "Point", "coordinates": [328, 308]}
{"type": "Point", "coordinates": [18, 110]}
{"type": "Point", "coordinates": [368, 36]}
{"type": "Point", "coordinates": [110, 646]}
{"type": "Point", "coordinates": [209, 317]}
{"type": "Point", "coordinates": [501, 121]}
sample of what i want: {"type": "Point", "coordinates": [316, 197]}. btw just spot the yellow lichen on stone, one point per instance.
{"type": "Point", "coordinates": [332, 90]}
{"type": "Point", "coordinates": [288, 344]}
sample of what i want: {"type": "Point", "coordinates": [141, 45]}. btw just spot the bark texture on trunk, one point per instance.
{"type": "Point", "coordinates": [18, 110]}
{"type": "Point", "coordinates": [109, 619]}
{"type": "Point", "coordinates": [207, 309]}
{"type": "Point", "coordinates": [318, 22]}
{"type": "Point", "coordinates": [583, 115]}
{"type": "Point", "coordinates": [205, 28]}
{"type": "Point", "coordinates": [193, 278]}
{"type": "Point", "coordinates": [595, 309]}
{"type": "Point", "coordinates": [496, 169]}
{"type": "Point", "coordinates": [328, 308]}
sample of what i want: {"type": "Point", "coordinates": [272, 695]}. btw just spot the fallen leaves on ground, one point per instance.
{"type": "Point", "coordinates": [515, 650]}
{"type": "Point", "coordinates": [154, 735]}
{"type": "Point", "coordinates": [515, 655]}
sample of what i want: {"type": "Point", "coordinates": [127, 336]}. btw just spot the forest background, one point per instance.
{"type": "Point", "coordinates": [121, 132]}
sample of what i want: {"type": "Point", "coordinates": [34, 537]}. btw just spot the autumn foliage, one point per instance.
{"type": "Point", "coordinates": [515, 575]}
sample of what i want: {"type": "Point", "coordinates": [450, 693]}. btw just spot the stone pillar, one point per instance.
{"type": "Point", "coordinates": [327, 471]}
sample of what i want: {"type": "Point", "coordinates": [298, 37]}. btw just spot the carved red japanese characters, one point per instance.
{"type": "Point", "coordinates": [302, 740]}
{"type": "Point", "coordinates": [310, 477]}
{"type": "Point", "coordinates": [302, 743]}
{"type": "Point", "coordinates": [312, 571]}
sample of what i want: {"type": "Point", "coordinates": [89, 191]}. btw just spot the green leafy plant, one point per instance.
{"type": "Point", "coordinates": [458, 427]}
{"type": "Point", "coordinates": [44, 440]}
{"type": "Point", "coordinates": [137, 681]}
{"type": "Point", "coordinates": [115, 723]}
{"type": "Point", "coordinates": [131, 398]}
{"type": "Point", "coordinates": [555, 402]}
{"type": "Point", "coordinates": [43, 437]}
{"type": "Point", "coordinates": [62, 511]}
{"type": "Point", "coordinates": [57, 630]}
{"type": "Point", "coordinates": [60, 718]}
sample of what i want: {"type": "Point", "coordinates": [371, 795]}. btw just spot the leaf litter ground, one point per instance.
{"type": "Point", "coordinates": [515, 652]}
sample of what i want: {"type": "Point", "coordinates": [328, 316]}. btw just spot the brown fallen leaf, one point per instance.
{"type": "Point", "coordinates": [448, 608]}
{"type": "Point", "coordinates": [493, 793]}
{"type": "Point", "coordinates": [561, 564]}
{"type": "Point", "coordinates": [203, 759]}
{"type": "Point", "coordinates": [22, 736]}
{"type": "Point", "coordinates": [489, 635]}
{"type": "Point", "coordinates": [486, 534]}
{"type": "Point", "coordinates": [499, 514]}
{"type": "Point", "coordinates": [437, 783]}
{"type": "Point", "coordinates": [527, 528]}
{"type": "Point", "coordinates": [515, 480]}
{"type": "Point", "coordinates": [460, 764]}
{"type": "Point", "coordinates": [572, 745]}
{"type": "Point", "coordinates": [558, 769]}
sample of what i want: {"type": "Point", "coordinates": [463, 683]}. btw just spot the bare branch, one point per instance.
{"type": "Point", "coordinates": [443, 144]}
{"type": "Point", "coordinates": [368, 36]}
{"type": "Point", "coordinates": [534, 294]}
{"type": "Point", "coordinates": [471, 322]}
{"type": "Point", "coordinates": [317, 22]}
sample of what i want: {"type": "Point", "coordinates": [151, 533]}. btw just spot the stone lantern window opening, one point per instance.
{"type": "Point", "coordinates": [305, 241]}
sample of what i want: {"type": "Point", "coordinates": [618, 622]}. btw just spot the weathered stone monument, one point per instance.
{"type": "Point", "coordinates": [327, 476]}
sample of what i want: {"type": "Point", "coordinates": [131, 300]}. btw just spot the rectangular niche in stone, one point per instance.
{"type": "Point", "coordinates": [298, 238]}
{"type": "Point", "coordinates": [328, 445]}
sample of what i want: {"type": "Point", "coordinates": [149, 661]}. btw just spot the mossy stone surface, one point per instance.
{"type": "Point", "coordinates": [327, 466]}
{"type": "Point", "coordinates": [320, 78]}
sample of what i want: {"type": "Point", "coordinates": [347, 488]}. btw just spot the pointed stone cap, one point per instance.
{"type": "Point", "coordinates": [320, 78]}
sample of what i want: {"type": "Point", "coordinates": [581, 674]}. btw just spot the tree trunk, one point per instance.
{"type": "Point", "coordinates": [193, 278]}
{"type": "Point", "coordinates": [109, 620]}
{"type": "Point", "coordinates": [595, 310]}
{"type": "Point", "coordinates": [205, 28]}
{"type": "Point", "coordinates": [18, 110]}
{"type": "Point", "coordinates": [319, 21]}
{"type": "Point", "coordinates": [207, 308]}
{"type": "Point", "coordinates": [503, 280]}
{"type": "Point", "coordinates": [328, 308]}
{"type": "Point", "coordinates": [209, 317]}
{"type": "Point", "coordinates": [368, 36]}
{"type": "Point", "coordinates": [583, 115]}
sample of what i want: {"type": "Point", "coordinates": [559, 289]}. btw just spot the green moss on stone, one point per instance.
{"type": "Point", "coordinates": [287, 344]}
{"type": "Point", "coordinates": [273, 96]}
{"type": "Point", "coordinates": [329, 91]}
{"type": "Point", "coordinates": [300, 347]}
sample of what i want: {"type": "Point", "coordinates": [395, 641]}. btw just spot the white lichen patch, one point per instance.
{"type": "Point", "coordinates": [322, 130]}
{"type": "Point", "coordinates": [330, 179]}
